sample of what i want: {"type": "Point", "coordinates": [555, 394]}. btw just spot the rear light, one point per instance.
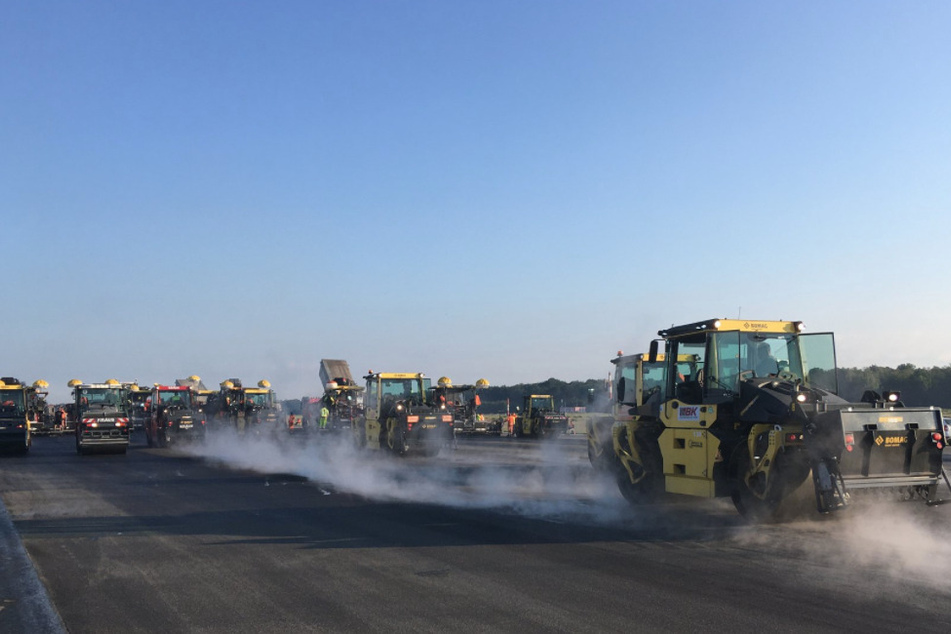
{"type": "Point", "coordinates": [447, 418]}
{"type": "Point", "coordinates": [849, 442]}
{"type": "Point", "coordinates": [936, 436]}
{"type": "Point", "coordinates": [412, 419]}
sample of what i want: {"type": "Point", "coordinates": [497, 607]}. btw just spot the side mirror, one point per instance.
{"type": "Point", "coordinates": [652, 354]}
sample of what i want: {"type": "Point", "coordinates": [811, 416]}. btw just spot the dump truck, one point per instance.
{"type": "Point", "coordinates": [102, 416]}
{"type": "Point", "coordinates": [538, 418]}
{"type": "Point", "coordinates": [15, 427]}
{"type": "Point", "coordinates": [750, 410]}
{"type": "Point", "coordinates": [173, 417]}
{"type": "Point", "coordinates": [464, 401]}
{"type": "Point", "coordinates": [341, 405]}
{"type": "Point", "coordinates": [401, 417]}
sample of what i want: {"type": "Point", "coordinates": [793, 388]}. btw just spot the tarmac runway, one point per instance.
{"type": "Point", "coordinates": [500, 535]}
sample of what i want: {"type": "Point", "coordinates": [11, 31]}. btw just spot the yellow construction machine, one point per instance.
{"type": "Point", "coordinates": [749, 410]}
{"type": "Point", "coordinates": [17, 403]}
{"type": "Point", "coordinates": [400, 415]}
{"type": "Point", "coordinates": [538, 418]}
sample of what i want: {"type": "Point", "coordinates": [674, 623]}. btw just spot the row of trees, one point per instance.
{"type": "Point", "coordinates": [918, 387]}
{"type": "Point", "coordinates": [591, 394]}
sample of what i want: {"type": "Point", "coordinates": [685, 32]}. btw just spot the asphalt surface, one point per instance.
{"type": "Point", "coordinates": [498, 536]}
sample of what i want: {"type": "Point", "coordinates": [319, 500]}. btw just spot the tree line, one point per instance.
{"type": "Point", "coordinates": [918, 387]}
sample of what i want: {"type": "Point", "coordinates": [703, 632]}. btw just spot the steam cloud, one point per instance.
{"type": "Point", "coordinates": [553, 480]}
{"type": "Point", "coordinates": [550, 479]}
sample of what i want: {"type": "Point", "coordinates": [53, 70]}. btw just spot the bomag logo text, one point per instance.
{"type": "Point", "coordinates": [891, 441]}
{"type": "Point", "coordinates": [755, 325]}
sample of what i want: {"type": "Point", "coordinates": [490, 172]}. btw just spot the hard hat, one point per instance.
{"type": "Point", "coordinates": [482, 383]}
{"type": "Point", "coordinates": [40, 383]}
{"type": "Point", "coordinates": [227, 385]}
{"type": "Point", "coordinates": [112, 382]}
{"type": "Point", "coordinates": [264, 383]}
{"type": "Point", "coordinates": [194, 378]}
{"type": "Point", "coordinates": [444, 381]}
{"type": "Point", "coordinates": [74, 383]}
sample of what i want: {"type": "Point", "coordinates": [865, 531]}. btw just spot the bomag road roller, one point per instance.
{"type": "Point", "coordinates": [400, 416]}
{"type": "Point", "coordinates": [539, 418]}
{"type": "Point", "coordinates": [636, 380]}
{"type": "Point", "coordinates": [749, 409]}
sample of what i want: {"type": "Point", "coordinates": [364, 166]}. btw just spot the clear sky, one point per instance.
{"type": "Point", "coordinates": [508, 190]}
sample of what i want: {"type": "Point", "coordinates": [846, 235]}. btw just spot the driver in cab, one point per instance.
{"type": "Point", "coordinates": [764, 363]}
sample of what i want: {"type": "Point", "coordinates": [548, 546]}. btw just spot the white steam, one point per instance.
{"type": "Point", "coordinates": [547, 479]}
{"type": "Point", "coordinates": [553, 480]}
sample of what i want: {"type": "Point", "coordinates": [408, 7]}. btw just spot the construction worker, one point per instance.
{"type": "Point", "coordinates": [324, 415]}
{"type": "Point", "coordinates": [511, 420]}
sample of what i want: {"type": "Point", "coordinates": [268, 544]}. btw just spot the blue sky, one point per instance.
{"type": "Point", "coordinates": [508, 190]}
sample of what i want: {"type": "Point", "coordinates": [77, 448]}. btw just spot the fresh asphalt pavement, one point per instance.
{"type": "Point", "coordinates": [498, 535]}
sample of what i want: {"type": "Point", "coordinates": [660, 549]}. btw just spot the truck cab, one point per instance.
{"type": "Point", "coordinates": [102, 418]}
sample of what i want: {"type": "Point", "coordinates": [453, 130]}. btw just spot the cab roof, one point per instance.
{"type": "Point", "coordinates": [395, 375]}
{"type": "Point", "coordinates": [728, 325]}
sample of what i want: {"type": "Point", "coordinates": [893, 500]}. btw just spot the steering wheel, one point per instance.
{"type": "Point", "coordinates": [786, 375]}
